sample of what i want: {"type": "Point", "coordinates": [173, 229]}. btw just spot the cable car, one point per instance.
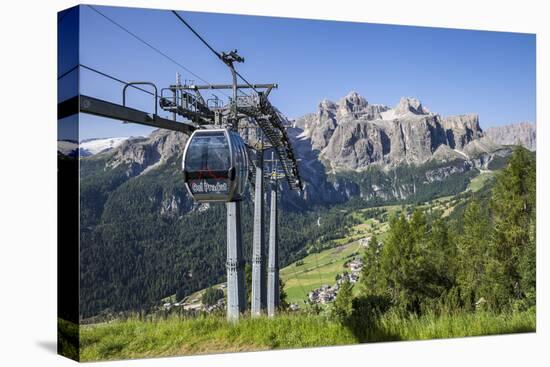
{"type": "Point", "coordinates": [215, 166]}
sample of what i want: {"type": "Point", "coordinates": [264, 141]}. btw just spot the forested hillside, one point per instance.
{"type": "Point", "coordinates": [143, 239]}
{"type": "Point", "coordinates": [133, 253]}
{"type": "Point", "coordinates": [480, 258]}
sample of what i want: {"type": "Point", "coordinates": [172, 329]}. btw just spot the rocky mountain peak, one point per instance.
{"type": "Point", "coordinates": [353, 134]}
{"type": "Point", "coordinates": [410, 105]}
{"type": "Point", "coordinates": [351, 105]}
{"type": "Point", "coordinates": [326, 104]}
{"type": "Point", "coordinates": [461, 129]}
{"type": "Point", "coordinates": [351, 100]}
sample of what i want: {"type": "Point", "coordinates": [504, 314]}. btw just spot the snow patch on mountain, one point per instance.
{"type": "Point", "coordinates": [67, 148]}
{"type": "Point", "coordinates": [90, 147]}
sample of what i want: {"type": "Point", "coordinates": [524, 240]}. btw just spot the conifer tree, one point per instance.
{"type": "Point", "coordinates": [343, 305]}
{"type": "Point", "coordinates": [283, 304]}
{"type": "Point", "coordinates": [438, 265]}
{"type": "Point", "coordinates": [396, 262]}
{"type": "Point", "coordinates": [371, 279]}
{"type": "Point", "coordinates": [513, 204]}
{"type": "Point", "coordinates": [473, 251]}
{"type": "Point", "coordinates": [527, 268]}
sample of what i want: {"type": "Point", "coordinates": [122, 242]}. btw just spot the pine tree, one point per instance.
{"type": "Point", "coordinates": [430, 264]}
{"type": "Point", "coordinates": [283, 304]}
{"type": "Point", "coordinates": [437, 265]}
{"type": "Point", "coordinates": [527, 268]}
{"type": "Point", "coordinates": [342, 307]}
{"type": "Point", "coordinates": [442, 251]}
{"type": "Point", "coordinates": [397, 263]}
{"type": "Point", "coordinates": [473, 252]}
{"type": "Point", "coordinates": [417, 264]}
{"type": "Point", "coordinates": [513, 204]}
{"type": "Point", "coordinates": [371, 277]}
{"type": "Point", "coordinates": [418, 226]}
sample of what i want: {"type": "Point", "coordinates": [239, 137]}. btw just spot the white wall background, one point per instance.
{"type": "Point", "coordinates": [28, 181]}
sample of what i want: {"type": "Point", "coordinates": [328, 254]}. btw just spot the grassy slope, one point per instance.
{"type": "Point", "coordinates": [321, 268]}
{"type": "Point", "coordinates": [212, 334]}
{"type": "Point", "coordinates": [480, 180]}
{"type": "Point", "coordinates": [317, 269]}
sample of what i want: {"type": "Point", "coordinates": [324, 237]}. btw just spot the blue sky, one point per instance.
{"type": "Point", "coordinates": [450, 71]}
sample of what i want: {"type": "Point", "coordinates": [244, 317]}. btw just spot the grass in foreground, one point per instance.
{"type": "Point", "coordinates": [67, 339]}
{"type": "Point", "coordinates": [212, 334]}
{"type": "Point", "coordinates": [393, 327]}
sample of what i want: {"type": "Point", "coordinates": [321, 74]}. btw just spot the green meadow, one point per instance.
{"type": "Point", "coordinates": [175, 335]}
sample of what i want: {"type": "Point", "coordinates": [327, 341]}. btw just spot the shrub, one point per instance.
{"type": "Point", "coordinates": [211, 296]}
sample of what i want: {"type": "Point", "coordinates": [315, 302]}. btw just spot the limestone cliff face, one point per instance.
{"type": "Point", "coordinates": [353, 134]}
{"type": "Point", "coordinates": [524, 133]}
{"type": "Point", "coordinates": [142, 154]}
{"type": "Point", "coordinates": [346, 138]}
{"type": "Point", "coordinates": [461, 130]}
{"type": "Point", "coordinates": [320, 126]}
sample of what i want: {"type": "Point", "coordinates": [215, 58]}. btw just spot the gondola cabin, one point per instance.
{"type": "Point", "coordinates": [215, 166]}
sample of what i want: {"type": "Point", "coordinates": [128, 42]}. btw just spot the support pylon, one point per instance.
{"type": "Point", "coordinates": [258, 244]}
{"type": "Point", "coordinates": [236, 296]}
{"type": "Point", "coordinates": [273, 296]}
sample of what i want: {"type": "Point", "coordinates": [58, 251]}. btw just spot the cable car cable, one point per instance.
{"type": "Point", "coordinates": [68, 72]}
{"type": "Point", "coordinates": [218, 55]}
{"type": "Point", "coordinates": [104, 75]}
{"type": "Point", "coordinates": [198, 35]}
{"type": "Point", "coordinates": [116, 79]}
{"type": "Point", "coordinates": [152, 47]}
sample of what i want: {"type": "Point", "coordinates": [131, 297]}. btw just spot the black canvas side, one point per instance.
{"type": "Point", "coordinates": [68, 342]}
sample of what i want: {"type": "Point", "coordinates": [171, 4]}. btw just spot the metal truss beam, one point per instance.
{"type": "Point", "coordinates": [226, 86]}
{"type": "Point", "coordinates": [99, 107]}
